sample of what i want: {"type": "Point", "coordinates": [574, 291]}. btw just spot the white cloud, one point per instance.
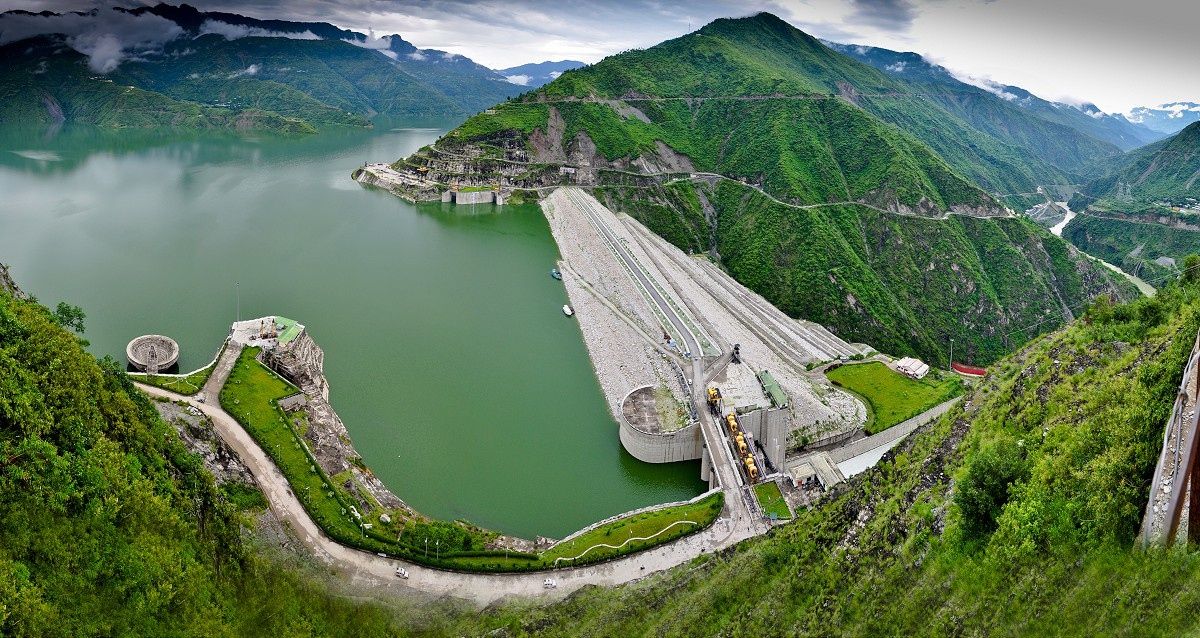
{"type": "Point", "coordinates": [521, 80]}
{"type": "Point", "coordinates": [372, 42]}
{"type": "Point", "coordinates": [987, 84]}
{"type": "Point", "coordinates": [235, 31]}
{"type": "Point", "coordinates": [418, 56]}
{"type": "Point", "coordinates": [253, 69]}
{"type": "Point", "coordinates": [897, 67]}
{"type": "Point", "coordinates": [554, 74]}
{"type": "Point", "coordinates": [105, 36]}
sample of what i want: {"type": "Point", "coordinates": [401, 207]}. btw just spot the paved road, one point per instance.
{"type": "Point", "coordinates": [481, 589]}
{"type": "Point", "coordinates": [586, 204]}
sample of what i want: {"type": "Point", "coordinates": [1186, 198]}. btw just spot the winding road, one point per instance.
{"type": "Point", "coordinates": [378, 573]}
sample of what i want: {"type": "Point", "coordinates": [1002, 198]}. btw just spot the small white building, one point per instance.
{"type": "Point", "coordinates": [911, 367]}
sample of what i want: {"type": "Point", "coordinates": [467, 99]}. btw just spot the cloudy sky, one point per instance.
{"type": "Point", "coordinates": [1116, 53]}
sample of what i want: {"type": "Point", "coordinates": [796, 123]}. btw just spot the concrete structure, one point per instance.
{"type": "Point", "coordinates": [152, 353]}
{"type": "Point", "coordinates": [294, 402]}
{"type": "Point", "coordinates": [472, 197]}
{"type": "Point", "coordinates": [769, 428]}
{"type": "Point", "coordinates": [644, 438]}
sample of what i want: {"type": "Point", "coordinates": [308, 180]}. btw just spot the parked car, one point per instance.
{"type": "Point", "coordinates": [402, 573]}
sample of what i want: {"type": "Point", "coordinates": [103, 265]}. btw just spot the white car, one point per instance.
{"type": "Point", "coordinates": [402, 573]}
{"type": "Point", "coordinates": [549, 583]}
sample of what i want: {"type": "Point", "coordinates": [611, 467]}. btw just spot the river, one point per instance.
{"type": "Point", "coordinates": [1057, 229]}
{"type": "Point", "coordinates": [461, 382]}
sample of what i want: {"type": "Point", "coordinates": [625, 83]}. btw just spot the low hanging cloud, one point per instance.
{"type": "Point", "coordinates": [382, 44]}
{"type": "Point", "coordinates": [253, 69]}
{"type": "Point", "coordinates": [236, 31]}
{"type": "Point", "coordinates": [107, 37]}
{"type": "Point", "coordinates": [520, 80]}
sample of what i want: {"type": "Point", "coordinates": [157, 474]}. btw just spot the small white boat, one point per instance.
{"type": "Point", "coordinates": [567, 310]}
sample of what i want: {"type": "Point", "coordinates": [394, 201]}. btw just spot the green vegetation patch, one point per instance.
{"type": "Point", "coordinates": [772, 502]}
{"type": "Point", "coordinates": [250, 396]}
{"type": "Point", "coordinates": [679, 521]}
{"type": "Point", "coordinates": [1015, 514]}
{"type": "Point", "coordinates": [892, 397]}
{"type": "Point", "coordinates": [180, 384]}
{"type": "Point", "coordinates": [1133, 244]}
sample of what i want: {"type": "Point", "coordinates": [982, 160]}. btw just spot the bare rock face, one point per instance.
{"type": "Point", "coordinates": [197, 433]}
{"type": "Point", "coordinates": [8, 285]}
{"type": "Point", "coordinates": [303, 363]}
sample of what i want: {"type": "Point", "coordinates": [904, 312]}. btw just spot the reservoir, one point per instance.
{"type": "Point", "coordinates": [461, 382]}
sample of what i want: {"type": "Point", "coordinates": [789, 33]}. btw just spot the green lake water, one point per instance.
{"type": "Point", "coordinates": [462, 384]}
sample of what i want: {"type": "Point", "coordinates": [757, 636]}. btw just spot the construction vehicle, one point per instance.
{"type": "Point", "coordinates": [714, 399]}
{"type": "Point", "coordinates": [740, 440]}
{"type": "Point", "coordinates": [751, 468]}
{"type": "Point", "coordinates": [731, 421]}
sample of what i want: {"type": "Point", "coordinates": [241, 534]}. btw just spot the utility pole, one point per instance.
{"type": "Point", "coordinates": [951, 353]}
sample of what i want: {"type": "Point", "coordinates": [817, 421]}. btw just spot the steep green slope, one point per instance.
{"type": "Point", "coordinates": [226, 70]}
{"type": "Point", "coordinates": [1010, 110]}
{"type": "Point", "coordinates": [764, 57]}
{"type": "Point", "coordinates": [754, 100]}
{"type": "Point", "coordinates": [110, 527]}
{"type": "Point", "coordinates": [1159, 176]}
{"type": "Point", "coordinates": [1145, 212]}
{"type": "Point", "coordinates": [906, 285]}
{"type": "Point", "coordinates": [43, 84]}
{"type": "Point", "coordinates": [1012, 516]}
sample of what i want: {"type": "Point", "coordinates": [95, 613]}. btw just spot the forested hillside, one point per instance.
{"type": "Point", "coordinates": [859, 224]}
{"type": "Point", "coordinates": [1014, 515]}
{"type": "Point", "coordinates": [110, 527]}
{"type": "Point", "coordinates": [226, 70]}
{"type": "Point", "coordinates": [774, 65]}
{"type": "Point", "coordinates": [1144, 214]}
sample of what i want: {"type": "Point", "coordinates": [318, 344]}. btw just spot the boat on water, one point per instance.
{"type": "Point", "coordinates": [567, 310]}
{"type": "Point", "coordinates": [554, 273]}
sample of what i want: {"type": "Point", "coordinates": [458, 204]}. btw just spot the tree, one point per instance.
{"type": "Point", "coordinates": [983, 490]}
{"type": "Point", "coordinates": [69, 316]}
{"type": "Point", "coordinates": [1191, 269]}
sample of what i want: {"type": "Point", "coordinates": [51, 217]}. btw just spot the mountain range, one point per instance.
{"type": "Point", "coordinates": [538, 73]}
{"type": "Point", "coordinates": [1166, 118]}
{"type": "Point", "coordinates": [1085, 118]}
{"type": "Point", "coordinates": [833, 200]}
{"type": "Point", "coordinates": [1144, 212]}
{"type": "Point", "coordinates": [222, 69]}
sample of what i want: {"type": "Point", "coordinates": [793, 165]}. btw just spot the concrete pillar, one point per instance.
{"type": "Point", "coordinates": [705, 465]}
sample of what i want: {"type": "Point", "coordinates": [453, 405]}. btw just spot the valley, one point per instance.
{"type": "Point", "coordinates": [334, 319]}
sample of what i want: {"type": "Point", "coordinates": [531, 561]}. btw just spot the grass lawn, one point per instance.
{"type": "Point", "coordinates": [701, 514]}
{"type": "Point", "coordinates": [892, 397]}
{"type": "Point", "coordinates": [771, 500]}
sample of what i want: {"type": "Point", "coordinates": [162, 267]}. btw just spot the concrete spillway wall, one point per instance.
{"type": "Point", "coordinates": [472, 197]}
{"type": "Point", "coordinates": [652, 446]}
{"type": "Point", "coordinates": [684, 444]}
